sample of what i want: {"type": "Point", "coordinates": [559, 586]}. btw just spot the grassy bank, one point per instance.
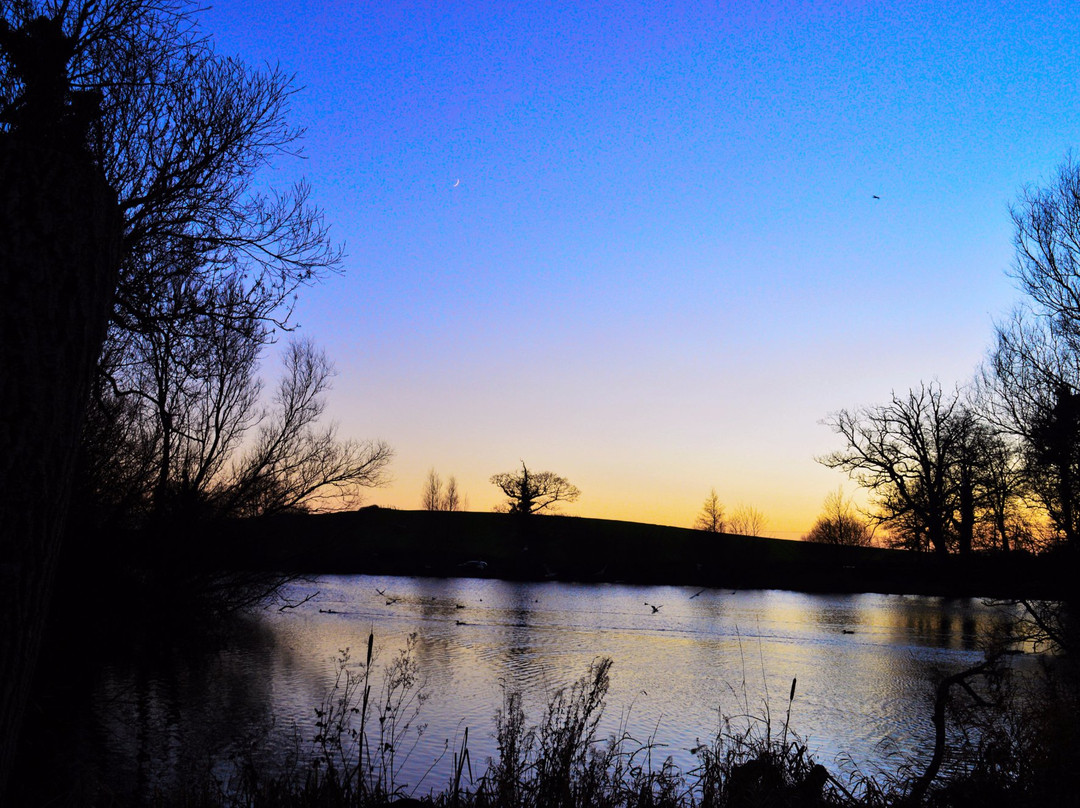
{"type": "Point", "coordinates": [393, 542]}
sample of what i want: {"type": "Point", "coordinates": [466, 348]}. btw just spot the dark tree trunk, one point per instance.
{"type": "Point", "coordinates": [966, 528]}
{"type": "Point", "coordinates": [1002, 530]}
{"type": "Point", "coordinates": [938, 537]}
{"type": "Point", "coordinates": [60, 241]}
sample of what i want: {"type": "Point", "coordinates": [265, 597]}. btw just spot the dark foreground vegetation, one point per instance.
{"type": "Point", "coordinates": [996, 744]}
{"type": "Point", "coordinates": [753, 760]}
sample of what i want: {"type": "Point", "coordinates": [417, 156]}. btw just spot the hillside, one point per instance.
{"type": "Point", "coordinates": [385, 541]}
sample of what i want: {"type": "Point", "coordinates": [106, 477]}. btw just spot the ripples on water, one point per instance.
{"type": "Point", "coordinates": [866, 665]}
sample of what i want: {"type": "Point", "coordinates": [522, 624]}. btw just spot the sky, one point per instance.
{"type": "Point", "coordinates": [640, 244]}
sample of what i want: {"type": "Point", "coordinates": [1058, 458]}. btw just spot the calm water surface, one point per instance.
{"type": "Point", "coordinates": [865, 664]}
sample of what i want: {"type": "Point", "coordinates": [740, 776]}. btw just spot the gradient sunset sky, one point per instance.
{"type": "Point", "coordinates": [638, 244]}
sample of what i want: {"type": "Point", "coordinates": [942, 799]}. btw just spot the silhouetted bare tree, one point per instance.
{"type": "Point", "coordinates": [211, 263]}
{"type": "Point", "coordinates": [907, 454]}
{"type": "Point", "coordinates": [1033, 377]}
{"type": "Point", "coordinates": [181, 134]}
{"type": "Point", "coordinates": [433, 493]}
{"type": "Point", "coordinates": [1047, 240]}
{"type": "Point", "coordinates": [1005, 515]}
{"type": "Point", "coordinates": [746, 520]}
{"type": "Point", "coordinates": [436, 499]}
{"type": "Point", "coordinates": [296, 464]}
{"type": "Point", "coordinates": [530, 492]}
{"type": "Point", "coordinates": [711, 517]}
{"type": "Point", "coordinates": [453, 500]}
{"type": "Point", "coordinates": [106, 105]}
{"type": "Point", "coordinates": [839, 523]}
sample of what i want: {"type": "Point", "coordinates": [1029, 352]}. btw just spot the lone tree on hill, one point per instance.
{"type": "Point", "coordinates": [530, 492]}
{"type": "Point", "coordinates": [711, 517]}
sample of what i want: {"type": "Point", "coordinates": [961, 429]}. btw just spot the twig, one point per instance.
{"type": "Point", "coordinates": [288, 605]}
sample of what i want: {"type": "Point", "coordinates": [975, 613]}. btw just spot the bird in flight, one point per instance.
{"type": "Point", "coordinates": [876, 196]}
{"type": "Point", "coordinates": [655, 609]}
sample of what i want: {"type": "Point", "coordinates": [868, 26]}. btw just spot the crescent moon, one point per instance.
{"type": "Point", "coordinates": [456, 184]}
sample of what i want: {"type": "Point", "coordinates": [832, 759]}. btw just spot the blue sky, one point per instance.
{"type": "Point", "coordinates": [637, 244]}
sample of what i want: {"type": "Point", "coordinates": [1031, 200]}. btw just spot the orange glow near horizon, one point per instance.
{"type": "Point", "coordinates": [786, 517]}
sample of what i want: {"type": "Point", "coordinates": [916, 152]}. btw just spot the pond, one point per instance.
{"type": "Point", "coordinates": [865, 668]}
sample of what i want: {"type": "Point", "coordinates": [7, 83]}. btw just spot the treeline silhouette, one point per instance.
{"type": "Point", "coordinates": [993, 464]}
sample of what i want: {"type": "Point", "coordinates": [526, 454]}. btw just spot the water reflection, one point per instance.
{"type": "Point", "coordinates": [865, 665]}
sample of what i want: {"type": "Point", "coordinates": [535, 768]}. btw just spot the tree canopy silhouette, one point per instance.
{"type": "Point", "coordinates": [530, 492]}
{"type": "Point", "coordinates": [912, 454]}
{"type": "Point", "coordinates": [840, 524]}
{"type": "Point", "coordinates": [711, 517]}
{"type": "Point", "coordinates": [129, 152]}
{"type": "Point", "coordinates": [1033, 376]}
